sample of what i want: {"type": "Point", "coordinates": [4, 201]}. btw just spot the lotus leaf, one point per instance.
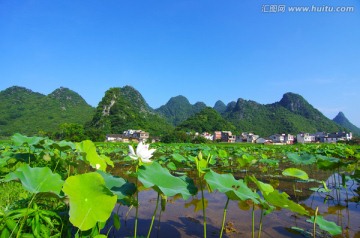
{"type": "Point", "coordinates": [282, 200]}
{"type": "Point", "coordinates": [19, 140]}
{"type": "Point", "coordinates": [301, 159]}
{"type": "Point", "coordinates": [325, 225]}
{"type": "Point", "coordinates": [153, 175]}
{"type": "Point", "coordinates": [297, 173]}
{"type": "Point", "coordinates": [227, 184]}
{"type": "Point", "coordinates": [36, 180]}
{"type": "Point", "coordinates": [118, 186]}
{"type": "Point", "coordinates": [95, 160]}
{"type": "Point", "coordinates": [265, 188]}
{"type": "Point", "coordinates": [90, 200]}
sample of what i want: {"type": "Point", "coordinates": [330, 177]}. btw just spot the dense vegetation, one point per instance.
{"type": "Point", "coordinates": [124, 108]}
{"type": "Point", "coordinates": [178, 109]}
{"type": "Point", "coordinates": [24, 111]}
{"type": "Point", "coordinates": [68, 189]}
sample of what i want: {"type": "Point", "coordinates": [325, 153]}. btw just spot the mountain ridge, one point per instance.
{"type": "Point", "coordinates": [125, 108]}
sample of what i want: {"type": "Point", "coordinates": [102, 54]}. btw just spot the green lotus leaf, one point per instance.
{"type": "Point", "coordinates": [96, 161]}
{"type": "Point", "coordinates": [325, 225]}
{"type": "Point", "coordinates": [281, 200]}
{"type": "Point", "coordinates": [297, 173]}
{"type": "Point", "coordinates": [90, 200]}
{"type": "Point", "coordinates": [64, 145]}
{"type": "Point", "coordinates": [119, 186]}
{"type": "Point", "coordinates": [19, 140]}
{"type": "Point", "coordinates": [325, 162]}
{"type": "Point", "coordinates": [178, 157]}
{"type": "Point", "coordinates": [227, 184]}
{"type": "Point", "coordinates": [263, 187]}
{"type": "Point", "coordinates": [301, 159]}
{"type": "Point", "coordinates": [159, 178]}
{"type": "Point", "coordinates": [36, 180]}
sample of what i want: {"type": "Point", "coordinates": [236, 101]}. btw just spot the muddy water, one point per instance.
{"type": "Point", "coordinates": [184, 218]}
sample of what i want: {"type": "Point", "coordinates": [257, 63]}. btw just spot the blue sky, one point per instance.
{"type": "Point", "coordinates": [206, 50]}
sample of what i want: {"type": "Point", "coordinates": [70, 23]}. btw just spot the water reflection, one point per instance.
{"type": "Point", "coordinates": [184, 218]}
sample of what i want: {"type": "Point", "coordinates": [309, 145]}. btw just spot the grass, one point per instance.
{"type": "Point", "coordinates": [11, 192]}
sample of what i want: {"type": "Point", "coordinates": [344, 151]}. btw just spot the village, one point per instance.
{"type": "Point", "coordinates": [245, 137]}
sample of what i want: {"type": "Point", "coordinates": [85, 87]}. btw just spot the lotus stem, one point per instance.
{"type": "Point", "coordinates": [260, 225]}
{"type": "Point", "coordinates": [137, 206]}
{"type": "Point", "coordinates": [224, 217]}
{"type": "Point", "coordinates": [315, 216]}
{"type": "Point", "coordinates": [253, 221]}
{"type": "Point", "coordinates": [203, 206]}
{"type": "Point", "coordinates": [153, 216]}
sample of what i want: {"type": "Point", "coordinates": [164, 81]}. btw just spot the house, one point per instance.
{"type": "Point", "coordinates": [114, 137]}
{"type": "Point", "coordinates": [305, 138]}
{"type": "Point", "coordinates": [261, 140]}
{"type": "Point", "coordinates": [207, 135]}
{"type": "Point", "coordinates": [252, 138]}
{"type": "Point", "coordinates": [337, 136]}
{"type": "Point", "coordinates": [129, 135]}
{"type": "Point", "coordinates": [289, 139]}
{"type": "Point", "coordinates": [217, 135]}
{"type": "Point", "coordinates": [277, 138]}
{"type": "Point", "coordinates": [227, 136]}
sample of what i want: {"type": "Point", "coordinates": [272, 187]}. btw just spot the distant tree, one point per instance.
{"type": "Point", "coordinates": [176, 137]}
{"type": "Point", "coordinates": [71, 132]}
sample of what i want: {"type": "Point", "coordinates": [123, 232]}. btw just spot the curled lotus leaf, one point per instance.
{"type": "Point", "coordinates": [234, 189]}
{"type": "Point", "coordinates": [96, 161]}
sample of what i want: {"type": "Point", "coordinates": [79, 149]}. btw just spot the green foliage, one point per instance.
{"type": "Point", "coordinates": [295, 172]}
{"type": "Point", "coordinates": [178, 109]}
{"type": "Point", "coordinates": [36, 180]}
{"type": "Point", "coordinates": [207, 120]}
{"type": "Point", "coordinates": [90, 200]}
{"type": "Point", "coordinates": [124, 108]}
{"type": "Point", "coordinates": [159, 178]}
{"type": "Point", "coordinates": [28, 112]}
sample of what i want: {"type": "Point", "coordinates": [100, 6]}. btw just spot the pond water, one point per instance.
{"type": "Point", "coordinates": [183, 218]}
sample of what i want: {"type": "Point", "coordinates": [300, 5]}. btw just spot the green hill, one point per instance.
{"type": "Point", "coordinates": [341, 120]}
{"type": "Point", "coordinates": [178, 109]}
{"type": "Point", "coordinates": [207, 120]}
{"type": "Point", "coordinates": [125, 108]}
{"type": "Point", "coordinates": [293, 114]}
{"type": "Point", "coordinates": [28, 112]}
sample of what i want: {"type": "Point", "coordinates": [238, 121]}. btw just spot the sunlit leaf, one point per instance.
{"type": "Point", "coordinates": [96, 161]}
{"type": "Point", "coordinates": [90, 200]}
{"type": "Point", "coordinates": [227, 184]}
{"type": "Point", "coordinates": [297, 173]}
{"type": "Point", "coordinates": [19, 139]}
{"type": "Point", "coordinates": [263, 187]}
{"type": "Point", "coordinates": [325, 225]}
{"type": "Point", "coordinates": [281, 200]}
{"type": "Point", "coordinates": [153, 175]}
{"type": "Point", "coordinates": [36, 180]}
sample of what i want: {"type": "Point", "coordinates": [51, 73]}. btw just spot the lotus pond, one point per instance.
{"type": "Point", "coordinates": [86, 189]}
